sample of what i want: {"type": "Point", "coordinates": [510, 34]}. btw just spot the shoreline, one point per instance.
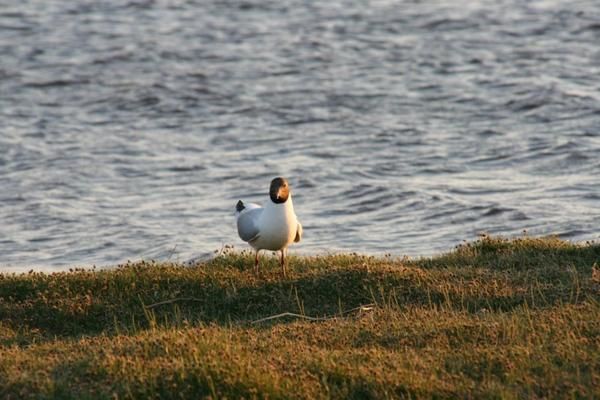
{"type": "Point", "coordinates": [241, 249]}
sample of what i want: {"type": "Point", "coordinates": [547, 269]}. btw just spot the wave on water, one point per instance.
{"type": "Point", "coordinates": [130, 130]}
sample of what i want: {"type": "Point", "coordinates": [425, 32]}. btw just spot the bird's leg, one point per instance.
{"type": "Point", "coordinates": [256, 263]}
{"type": "Point", "coordinates": [283, 262]}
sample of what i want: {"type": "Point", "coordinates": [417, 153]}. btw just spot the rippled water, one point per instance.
{"type": "Point", "coordinates": [130, 130]}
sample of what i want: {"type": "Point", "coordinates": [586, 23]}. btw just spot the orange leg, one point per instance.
{"type": "Point", "coordinates": [256, 263]}
{"type": "Point", "coordinates": [283, 262]}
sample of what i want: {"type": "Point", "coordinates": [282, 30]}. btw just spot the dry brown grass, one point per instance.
{"type": "Point", "coordinates": [492, 319]}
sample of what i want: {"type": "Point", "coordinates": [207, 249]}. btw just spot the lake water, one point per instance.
{"type": "Point", "coordinates": [129, 130]}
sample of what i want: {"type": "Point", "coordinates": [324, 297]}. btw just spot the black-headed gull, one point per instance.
{"type": "Point", "coordinates": [272, 227]}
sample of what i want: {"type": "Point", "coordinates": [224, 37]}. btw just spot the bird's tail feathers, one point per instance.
{"type": "Point", "coordinates": [239, 206]}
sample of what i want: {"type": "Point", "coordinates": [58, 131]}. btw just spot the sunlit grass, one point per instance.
{"type": "Point", "coordinates": [493, 318]}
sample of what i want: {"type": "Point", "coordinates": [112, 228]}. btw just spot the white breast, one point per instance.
{"type": "Point", "coordinates": [277, 226]}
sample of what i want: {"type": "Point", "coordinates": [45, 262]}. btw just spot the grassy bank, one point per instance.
{"type": "Point", "coordinates": [493, 318]}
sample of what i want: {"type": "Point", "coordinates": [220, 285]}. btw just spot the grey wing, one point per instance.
{"type": "Point", "coordinates": [247, 224]}
{"type": "Point", "coordinates": [298, 232]}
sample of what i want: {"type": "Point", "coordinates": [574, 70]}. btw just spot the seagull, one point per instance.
{"type": "Point", "coordinates": [272, 227]}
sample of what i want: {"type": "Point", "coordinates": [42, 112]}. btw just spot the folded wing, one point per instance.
{"type": "Point", "coordinates": [247, 224]}
{"type": "Point", "coordinates": [298, 232]}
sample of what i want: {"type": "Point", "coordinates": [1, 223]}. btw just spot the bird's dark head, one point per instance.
{"type": "Point", "coordinates": [279, 191]}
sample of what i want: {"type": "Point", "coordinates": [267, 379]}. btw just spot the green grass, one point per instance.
{"type": "Point", "coordinates": [492, 319]}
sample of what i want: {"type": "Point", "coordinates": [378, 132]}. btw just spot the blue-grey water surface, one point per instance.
{"type": "Point", "coordinates": [129, 129]}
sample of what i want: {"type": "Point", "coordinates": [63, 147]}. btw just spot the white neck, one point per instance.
{"type": "Point", "coordinates": [288, 204]}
